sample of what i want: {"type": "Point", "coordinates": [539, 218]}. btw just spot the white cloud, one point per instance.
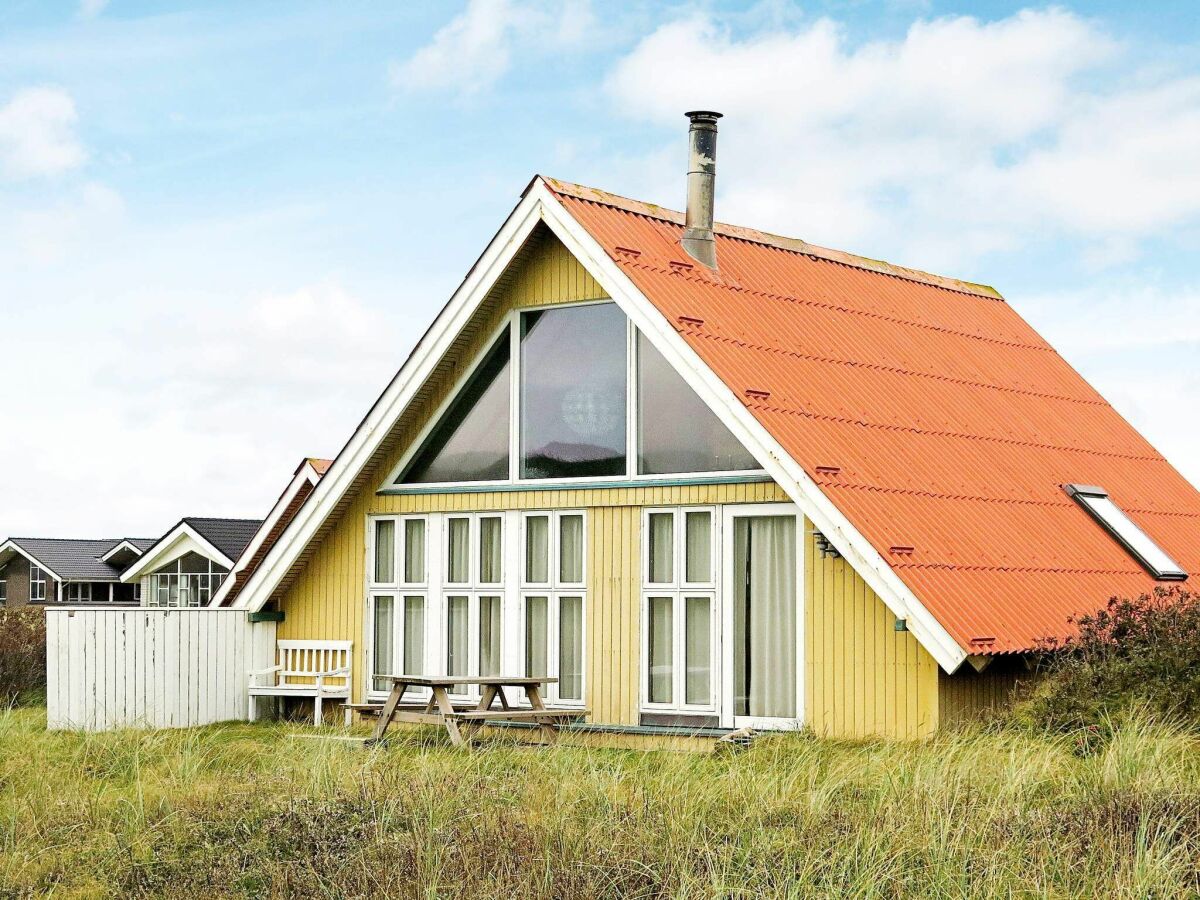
{"type": "Point", "coordinates": [37, 134]}
{"type": "Point", "coordinates": [475, 49]}
{"type": "Point", "coordinates": [89, 9]}
{"type": "Point", "coordinates": [51, 233]}
{"type": "Point", "coordinates": [959, 139]}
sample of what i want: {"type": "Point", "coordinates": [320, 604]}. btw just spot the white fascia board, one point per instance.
{"type": "Point", "coordinates": [124, 545]}
{"type": "Point", "coordinates": [779, 464]}
{"type": "Point", "coordinates": [306, 475]}
{"type": "Point", "coordinates": [17, 548]}
{"type": "Point", "coordinates": [179, 540]}
{"type": "Point", "coordinates": [391, 404]}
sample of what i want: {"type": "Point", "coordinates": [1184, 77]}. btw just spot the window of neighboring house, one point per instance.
{"type": "Point", "coordinates": [1128, 534]}
{"type": "Point", "coordinates": [189, 581]}
{"type": "Point", "coordinates": [137, 592]}
{"type": "Point", "coordinates": [679, 613]}
{"type": "Point", "coordinates": [552, 601]}
{"type": "Point", "coordinates": [3, 591]}
{"type": "Point", "coordinates": [79, 592]}
{"type": "Point", "coordinates": [398, 598]}
{"type": "Point", "coordinates": [37, 584]}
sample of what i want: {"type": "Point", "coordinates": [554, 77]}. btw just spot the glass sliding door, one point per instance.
{"type": "Point", "coordinates": [763, 617]}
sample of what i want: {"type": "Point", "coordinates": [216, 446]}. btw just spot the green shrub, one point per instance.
{"type": "Point", "coordinates": [1138, 655]}
{"type": "Point", "coordinates": [22, 653]}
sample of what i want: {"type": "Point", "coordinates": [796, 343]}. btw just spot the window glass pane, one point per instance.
{"type": "Point", "coordinates": [662, 548]}
{"type": "Point", "coordinates": [570, 648]}
{"type": "Point", "coordinates": [537, 549]}
{"type": "Point", "coordinates": [385, 551]}
{"type": "Point", "coordinates": [699, 547]}
{"type": "Point", "coordinates": [414, 635]}
{"type": "Point", "coordinates": [677, 432]}
{"type": "Point", "coordinates": [414, 551]}
{"type": "Point", "coordinates": [573, 376]}
{"type": "Point", "coordinates": [457, 626]}
{"type": "Point", "coordinates": [536, 632]}
{"type": "Point", "coordinates": [661, 651]}
{"type": "Point", "coordinates": [1132, 535]}
{"type": "Point", "coordinates": [698, 651]}
{"type": "Point", "coordinates": [384, 633]}
{"type": "Point", "coordinates": [193, 563]}
{"type": "Point", "coordinates": [470, 443]}
{"type": "Point", "coordinates": [459, 568]}
{"type": "Point", "coordinates": [489, 635]}
{"type": "Point", "coordinates": [489, 550]}
{"type": "Point", "coordinates": [570, 549]}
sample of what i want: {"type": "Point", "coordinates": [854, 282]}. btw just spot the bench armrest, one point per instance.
{"type": "Point", "coordinates": [266, 671]}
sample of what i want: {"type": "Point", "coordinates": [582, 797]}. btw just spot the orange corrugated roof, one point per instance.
{"type": "Point", "coordinates": [951, 424]}
{"type": "Point", "coordinates": [320, 466]}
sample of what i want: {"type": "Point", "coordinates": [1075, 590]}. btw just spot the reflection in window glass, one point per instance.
{"type": "Point", "coordinates": [470, 443]}
{"type": "Point", "coordinates": [570, 648]}
{"type": "Point", "coordinates": [537, 549]}
{"type": "Point", "coordinates": [570, 549]}
{"type": "Point", "coordinates": [677, 431]}
{"type": "Point", "coordinates": [414, 551]}
{"type": "Point", "coordinates": [573, 426]}
{"type": "Point", "coordinates": [662, 548]}
{"type": "Point", "coordinates": [385, 551]}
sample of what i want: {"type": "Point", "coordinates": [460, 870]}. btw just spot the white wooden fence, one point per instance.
{"type": "Point", "coordinates": [150, 668]}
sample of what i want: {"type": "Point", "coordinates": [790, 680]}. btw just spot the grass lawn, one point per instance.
{"type": "Point", "coordinates": [252, 810]}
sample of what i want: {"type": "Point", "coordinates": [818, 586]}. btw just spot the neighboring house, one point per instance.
{"type": "Point", "coordinates": [64, 570]}
{"type": "Point", "coordinates": [187, 565]}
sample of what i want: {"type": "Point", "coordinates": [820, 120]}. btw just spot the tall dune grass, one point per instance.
{"type": "Point", "coordinates": [260, 811]}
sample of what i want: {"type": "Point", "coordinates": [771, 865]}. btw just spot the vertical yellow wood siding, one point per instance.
{"type": "Point", "coordinates": [969, 695]}
{"type": "Point", "coordinates": [862, 677]}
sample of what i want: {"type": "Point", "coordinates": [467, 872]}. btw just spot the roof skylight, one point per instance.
{"type": "Point", "coordinates": [1113, 519]}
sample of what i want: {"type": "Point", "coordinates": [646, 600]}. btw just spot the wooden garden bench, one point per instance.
{"type": "Point", "coordinates": [316, 669]}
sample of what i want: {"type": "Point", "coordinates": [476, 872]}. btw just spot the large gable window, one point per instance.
{"type": "Point", "coordinates": [470, 443]}
{"type": "Point", "coordinates": [677, 432]}
{"type": "Point", "coordinates": [573, 390]}
{"type": "Point", "coordinates": [1137, 543]}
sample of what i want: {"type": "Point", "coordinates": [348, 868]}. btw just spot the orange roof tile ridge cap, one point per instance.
{"type": "Point", "coordinates": [779, 242]}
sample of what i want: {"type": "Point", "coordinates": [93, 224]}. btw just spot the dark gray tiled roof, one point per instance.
{"type": "Point", "coordinates": [77, 559]}
{"type": "Point", "coordinates": [230, 536]}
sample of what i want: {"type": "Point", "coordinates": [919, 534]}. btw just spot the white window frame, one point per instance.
{"type": "Point", "coordinates": [1128, 534]}
{"type": "Point", "coordinates": [512, 322]}
{"type": "Point", "coordinates": [398, 589]}
{"type": "Point", "coordinates": [678, 590]}
{"type": "Point", "coordinates": [204, 585]}
{"type": "Point", "coordinates": [78, 592]}
{"type": "Point", "coordinates": [555, 590]}
{"type": "Point", "coordinates": [37, 576]}
{"type": "Point", "coordinates": [473, 589]}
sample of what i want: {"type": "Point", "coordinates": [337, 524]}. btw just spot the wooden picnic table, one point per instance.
{"type": "Point", "coordinates": [461, 720]}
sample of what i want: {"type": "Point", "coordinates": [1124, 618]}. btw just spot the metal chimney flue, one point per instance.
{"type": "Point", "coordinates": [702, 176]}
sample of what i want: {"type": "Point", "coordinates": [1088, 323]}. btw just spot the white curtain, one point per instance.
{"type": "Point", "coordinates": [414, 551]}
{"type": "Point", "coordinates": [662, 548]}
{"type": "Point", "coordinates": [699, 547]}
{"type": "Point", "coordinates": [414, 635]}
{"type": "Point", "coordinates": [570, 549]}
{"type": "Point", "coordinates": [460, 551]}
{"type": "Point", "coordinates": [384, 613]}
{"type": "Point", "coordinates": [765, 617]}
{"type": "Point", "coordinates": [536, 632]}
{"type": "Point", "coordinates": [385, 551]}
{"type": "Point", "coordinates": [698, 650]}
{"type": "Point", "coordinates": [662, 666]}
{"type": "Point", "coordinates": [537, 549]}
{"type": "Point", "coordinates": [489, 635]}
{"type": "Point", "coordinates": [490, 542]}
{"type": "Point", "coordinates": [570, 648]}
{"type": "Point", "coordinates": [456, 637]}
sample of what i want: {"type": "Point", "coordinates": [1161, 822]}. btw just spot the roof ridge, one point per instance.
{"type": "Point", "coordinates": [779, 242]}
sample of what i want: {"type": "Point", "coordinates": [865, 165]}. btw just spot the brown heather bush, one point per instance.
{"type": "Point", "coordinates": [1138, 656]}
{"type": "Point", "coordinates": [22, 653]}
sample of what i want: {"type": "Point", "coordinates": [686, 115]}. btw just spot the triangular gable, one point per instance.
{"type": "Point", "coordinates": [367, 448]}
{"type": "Point", "coordinates": [179, 541]}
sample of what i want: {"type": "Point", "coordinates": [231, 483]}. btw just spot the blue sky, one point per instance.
{"type": "Point", "coordinates": [223, 225]}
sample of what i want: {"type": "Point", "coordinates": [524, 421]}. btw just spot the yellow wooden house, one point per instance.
{"type": "Point", "coordinates": [708, 477]}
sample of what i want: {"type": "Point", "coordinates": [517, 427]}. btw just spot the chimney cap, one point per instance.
{"type": "Point", "coordinates": [704, 115]}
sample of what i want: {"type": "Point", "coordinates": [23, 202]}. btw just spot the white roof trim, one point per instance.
{"type": "Point", "coordinates": [391, 404]}
{"type": "Point", "coordinates": [182, 535]}
{"type": "Point", "coordinates": [10, 544]}
{"type": "Point", "coordinates": [119, 547]}
{"type": "Point", "coordinates": [305, 475]}
{"type": "Point", "coordinates": [539, 203]}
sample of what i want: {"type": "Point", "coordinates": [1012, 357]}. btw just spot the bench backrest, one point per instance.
{"type": "Point", "coordinates": [300, 661]}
